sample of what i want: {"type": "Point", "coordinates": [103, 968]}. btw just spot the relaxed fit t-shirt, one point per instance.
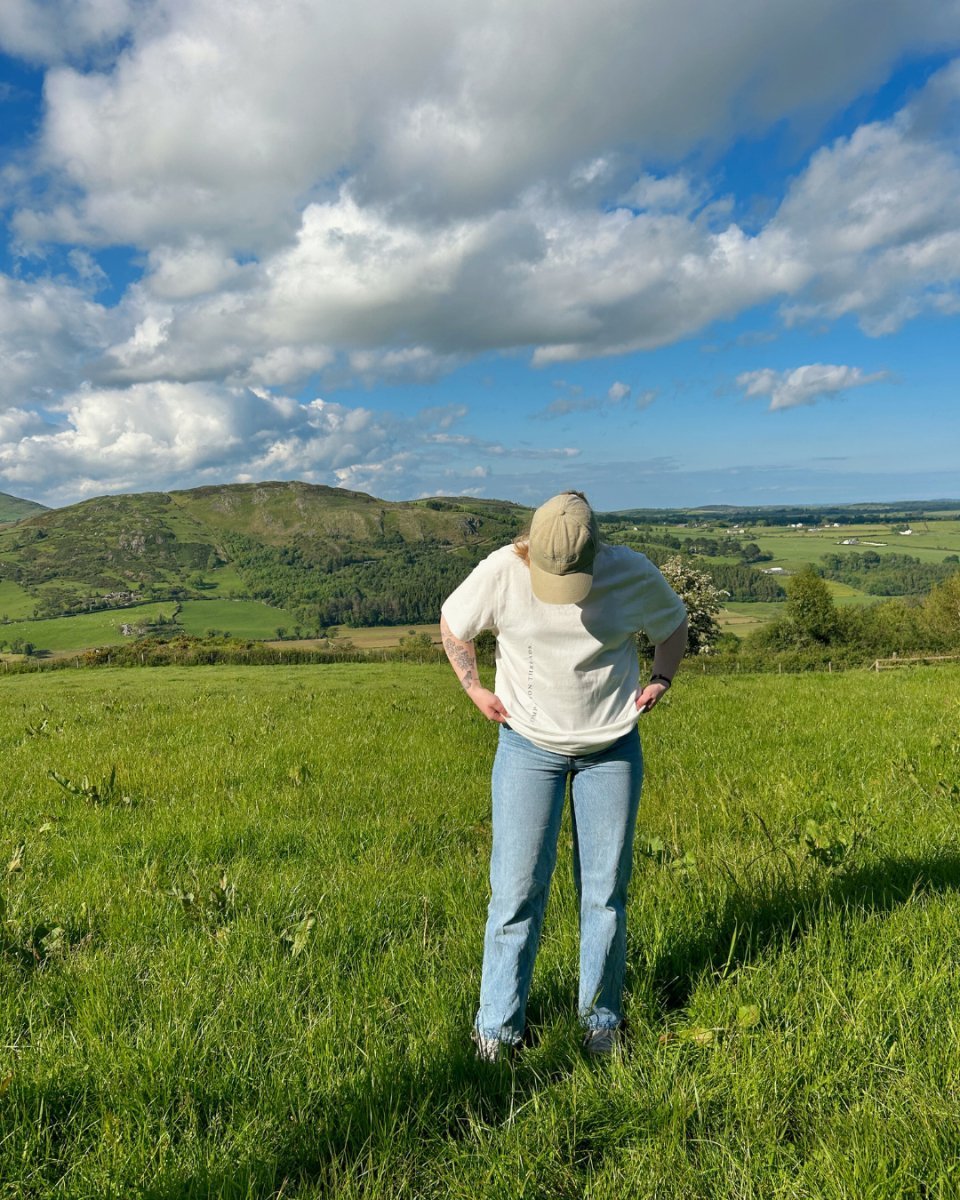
{"type": "Point", "coordinates": [567, 673]}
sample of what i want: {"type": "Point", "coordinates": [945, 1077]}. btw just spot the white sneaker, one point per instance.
{"type": "Point", "coordinates": [491, 1049]}
{"type": "Point", "coordinates": [602, 1042]}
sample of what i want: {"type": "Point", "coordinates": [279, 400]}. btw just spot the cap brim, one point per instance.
{"type": "Point", "coordinates": [560, 589]}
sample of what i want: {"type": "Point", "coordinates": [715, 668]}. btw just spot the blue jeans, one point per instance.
{"type": "Point", "coordinates": [529, 786]}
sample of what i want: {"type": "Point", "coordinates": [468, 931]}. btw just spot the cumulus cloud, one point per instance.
{"type": "Point", "coordinates": [218, 117]}
{"type": "Point", "coordinates": [169, 434]}
{"type": "Point", "coordinates": [193, 145]}
{"type": "Point", "coordinates": [49, 331]}
{"type": "Point", "coordinates": [804, 385]}
{"type": "Point", "coordinates": [162, 434]}
{"type": "Point", "coordinates": [876, 218]}
{"type": "Point", "coordinates": [47, 31]}
{"type": "Point", "coordinates": [309, 200]}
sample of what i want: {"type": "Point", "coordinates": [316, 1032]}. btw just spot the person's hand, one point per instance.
{"type": "Point", "coordinates": [648, 697]}
{"type": "Point", "coordinates": [489, 704]}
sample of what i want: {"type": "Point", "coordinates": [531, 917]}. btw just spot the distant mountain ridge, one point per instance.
{"type": "Point", "coordinates": [12, 508]}
{"type": "Point", "coordinates": [327, 554]}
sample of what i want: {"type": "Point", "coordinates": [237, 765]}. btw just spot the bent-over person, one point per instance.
{"type": "Point", "coordinates": [565, 608]}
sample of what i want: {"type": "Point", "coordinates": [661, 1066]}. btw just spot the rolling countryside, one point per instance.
{"type": "Point", "coordinates": [294, 560]}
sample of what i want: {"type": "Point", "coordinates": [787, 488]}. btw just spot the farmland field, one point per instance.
{"type": "Point", "coordinates": [14, 601]}
{"type": "Point", "coordinates": [242, 926]}
{"type": "Point", "coordinates": [792, 548]}
{"type": "Point", "coordinates": [241, 618]}
{"type": "Point", "coordinates": [87, 629]}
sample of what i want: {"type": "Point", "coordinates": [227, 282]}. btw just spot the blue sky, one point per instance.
{"type": "Point", "coordinates": [671, 253]}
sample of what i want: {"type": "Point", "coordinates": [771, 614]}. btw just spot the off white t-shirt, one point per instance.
{"type": "Point", "coordinates": [567, 673]}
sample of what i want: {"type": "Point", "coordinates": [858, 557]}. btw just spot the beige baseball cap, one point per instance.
{"type": "Point", "coordinates": [564, 537]}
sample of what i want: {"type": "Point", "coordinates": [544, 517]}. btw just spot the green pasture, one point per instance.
{"type": "Point", "coordinates": [930, 541]}
{"type": "Point", "coordinates": [241, 618]}
{"type": "Point", "coordinates": [241, 926]}
{"type": "Point", "coordinates": [84, 630]}
{"type": "Point", "coordinates": [744, 616]}
{"type": "Point", "coordinates": [14, 601]}
{"type": "Point", "coordinates": [792, 548]}
{"type": "Point", "coordinates": [844, 593]}
{"type": "Point", "coordinates": [224, 581]}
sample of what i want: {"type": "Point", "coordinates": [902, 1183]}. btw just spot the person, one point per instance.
{"type": "Point", "coordinates": [564, 607]}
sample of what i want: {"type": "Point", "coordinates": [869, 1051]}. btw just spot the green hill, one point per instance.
{"type": "Point", "coordinates": [12, 508]}
{"type": "Point", "coordinates": [326, 555]}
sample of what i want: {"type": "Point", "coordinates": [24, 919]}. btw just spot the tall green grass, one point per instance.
{"type": "Point", "coordinates": [242, 922]}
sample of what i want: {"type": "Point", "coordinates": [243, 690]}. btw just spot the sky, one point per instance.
{"type": "Point", "coordinates": [670, 252]}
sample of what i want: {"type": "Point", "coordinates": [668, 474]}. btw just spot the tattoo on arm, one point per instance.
{"type": "Point", "coordinates": [463, 659]}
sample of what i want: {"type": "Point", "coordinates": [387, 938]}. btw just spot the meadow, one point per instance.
{"type": "Point", "coordinates": [792, 548]}
{"type": "Point", "coordinates": [240, 618]}
{"type": "Point", "coordinates": [242, 915]}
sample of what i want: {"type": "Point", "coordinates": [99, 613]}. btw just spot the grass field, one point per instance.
{"type": "Point", "coordinates": [245, 964]}
{"type": "Point", "coordinates": [241, 618]}
{"type": "Point", "coordinates": [792, 548]}
{"type": "Point", "coordinates": [84, 630]}
{"type": "Point", "coordinates": [743, 617]}
{"type": "Point", "coordinates": [14, 601]}
{"type": "Point", "coordinates": [384, 636]}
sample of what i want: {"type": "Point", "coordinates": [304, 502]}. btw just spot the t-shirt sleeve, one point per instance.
{"type": "Point", "coordinates": [661, 608]}
{"type": "Point", "coordinates": [473, 606]}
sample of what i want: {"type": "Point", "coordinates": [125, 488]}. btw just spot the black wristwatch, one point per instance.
{"type": "Point", "coordinates": [660, 679]}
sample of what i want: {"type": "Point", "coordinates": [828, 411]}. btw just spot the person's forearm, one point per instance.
{"type": "Point", "coordinates": [667, 655]}
{"type": "Point", "coordinates": [463, 659]}
{"type": "Point", "coordinates": [462, 656]}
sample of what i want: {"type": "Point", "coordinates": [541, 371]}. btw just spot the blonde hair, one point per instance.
{"type": "Point", "coordinates": [521, 543]}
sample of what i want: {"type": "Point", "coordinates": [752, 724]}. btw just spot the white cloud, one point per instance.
{"type": "Point", "coordinates": [166, 434]}
{"type": "Point", "coordinates": [361, 292]}
{"type": "Point", "coordinates": [48, 30]}
{"type": "Point", "coordinates": [804, 385]}
{"type": "Point", "coordinates": [218, 118]}
{"type": "Point", "coordinates": [18, 423]}
{"type": "Point", "coordinates": [48, 333]}
{"type": "Point", "coordinates": [310, 198]}
{"type": "Point", "coordinates": [191, 269]}
{"type": "Point", "coordinates": [875, 217]}
{"type": "Point", "coordinates": [162, 434]}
